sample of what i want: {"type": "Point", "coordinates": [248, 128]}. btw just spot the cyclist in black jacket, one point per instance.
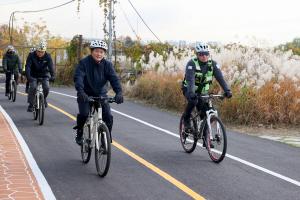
{"type": "Point", "coordinates": [39, 65]}
{"type": "Point", "coordinates": [91, 75]}
{"type": "Point", "coordinates": [11, 64]}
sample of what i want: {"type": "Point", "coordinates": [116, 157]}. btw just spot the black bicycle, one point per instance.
{"type": "Point", "coordinates": [96, 134]}
{"type": "Point", "coordinates": [39, 104]}
{"type": "Point", "coordinates": [209, 131]}
{"type": "Point", "coordinates": [12, 88]}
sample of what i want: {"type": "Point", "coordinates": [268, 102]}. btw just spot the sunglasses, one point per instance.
{"type": "Point", "coordinates": [203, 54]}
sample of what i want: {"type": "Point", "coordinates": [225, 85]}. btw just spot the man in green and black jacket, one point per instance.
{"type": "Point", "coordinates": [199, 75]}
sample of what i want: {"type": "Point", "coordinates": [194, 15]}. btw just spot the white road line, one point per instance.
{"type": "Point", "coordinates": [42, 182]}
{"type": "Point", "coordinates": [295, 182]}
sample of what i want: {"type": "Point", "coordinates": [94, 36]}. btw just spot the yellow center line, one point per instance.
{"type": "Point", "coordinates": [139, 159]}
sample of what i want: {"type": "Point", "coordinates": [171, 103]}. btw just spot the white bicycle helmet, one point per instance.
{"type": "Point", "coordinates": [42, 46]}
{"type": "Point", "coordinates": [10, 48]}
{"type": "Point", "coordinates": [98, 44]}
{"type": "Point", "coordinates": [201, 47]}
{"type": "Point", "coordinates": [32, 49]}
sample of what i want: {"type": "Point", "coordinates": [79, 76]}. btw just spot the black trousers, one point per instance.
{"type": "Point", "coordinates": [84, 108]}
{"type": "Point", "coordinates": [33, 87]}
{"type": "Point", "coordinates": [7, 80]}
{"type": "Point", "coordinates": [198, 103]}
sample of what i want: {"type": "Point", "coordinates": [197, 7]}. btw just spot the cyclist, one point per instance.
{"type": "Point", "coordinates": [91, 75]}
{"type": "Point", "coordinates": [199, 75]}
{"type": "Point", "coordinates": [39, 65]}
{"type": "Point", "coordinates": [11, 64]}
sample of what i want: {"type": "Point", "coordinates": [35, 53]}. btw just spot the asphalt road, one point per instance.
{"type": "Point", "coordinates": [58, 157]}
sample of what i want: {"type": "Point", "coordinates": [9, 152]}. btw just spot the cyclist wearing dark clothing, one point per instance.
{"type": "Point", "coordinates": [39, 65]}
{"type": "Point", "coordinates": [91, 75]}
{"type": "Point", "coordinates": [199, 75]}
{"type": "Point", "coordinates": [11, 64]}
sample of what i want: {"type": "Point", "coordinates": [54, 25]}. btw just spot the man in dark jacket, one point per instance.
{"type": "Point", "coordinates": [11, 64]}
{"type": "Point", "coordinates": [39, 65]}
{"type": "Point", "coordinates": [199, 75]}
{"type": "Point", "coordinates": [91, 76]}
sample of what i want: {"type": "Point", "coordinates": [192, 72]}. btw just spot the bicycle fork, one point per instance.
{"type": "Point", "coordinates": [209, 114]}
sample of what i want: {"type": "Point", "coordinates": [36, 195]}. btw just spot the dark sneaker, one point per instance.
{"type": "Point", "coordinates": [78, 138]}
{"type": "Point", "coordinates": [6, 94]}
{"type": "Point", "coordinates": [187, 126]}
{"type": "Point", "coordinates": [30, 108]}
{"type": "Point", "coordinates": [46, 103]}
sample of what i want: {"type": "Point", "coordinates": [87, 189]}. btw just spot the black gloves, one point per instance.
{"type": "Point", "coordinates": [228, 94]}
{"type": "Point", "coordinates": [52, 78]}
{"type": "Point", "coordinates": [119, 98]}
{"type": "Point", "coordinates": [82, 96]}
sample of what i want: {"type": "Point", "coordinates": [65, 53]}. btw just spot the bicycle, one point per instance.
{"type": "Point", "coordinates": [96, 135]}
{"type": "Point", "coordinates": [210, 130]}
{"type": "Point", "coordinates": [12, 88]}
{"type": "Point", "coordinates": [39, 104]}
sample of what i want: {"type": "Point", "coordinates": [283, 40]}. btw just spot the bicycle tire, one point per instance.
{"type": "Point", "coordinates": [212, 145]}
{"type": "Point", "coordinates": [35, 109]}
{"type": "Point", "coordinates": [187, 144]}
{"type": "Point", "coordinates": [104, 150]}
{"type": "Point", "coordinates": [14, 91]}
{"type": "Point", "coordinates": [41, 110]}
{"type": "Point", "coordinates": [9, 92]}
{"type": "Point", "coordinates": [85, 148]}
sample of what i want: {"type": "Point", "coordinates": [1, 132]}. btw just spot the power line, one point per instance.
{"type": "Point", "coordinates": [32, 11]}
{"type": "Point", "coordinates": [128, 22]}
{"type": "Point", "coordinates": [144, 21]}
{"type": "Point", "coordinates": [11, 23]}
{"type": "Point", "coordinates": [14, 2]}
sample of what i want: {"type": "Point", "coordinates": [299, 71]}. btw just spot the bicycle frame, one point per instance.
{"type": "Point", "coordinates": [209, 113]}
{"type": "Point", "coordinates": [12, 79]}
{"type": "Point", "coordinates": [94, 119]}
{"type": "Point", "coordinates": [39, 91]}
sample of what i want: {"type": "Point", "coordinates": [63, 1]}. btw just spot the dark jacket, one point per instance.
{"type": "Point", "coordinates": [91, 77]}
{"type": "Point", "coordinates": [39, 67]}
{"type": "Point", "coordinates": [11, 62]}
{"type": "Point", "coordinates": [190, 74]}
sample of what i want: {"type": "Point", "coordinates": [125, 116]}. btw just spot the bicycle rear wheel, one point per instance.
{"type": "Point", "coordinates": [216, 142]}
{"type": "Point", "coordinates": [86, 150]}
{"type": "Point", "coordinates": [103, 154]}
{"type": "Point", "coordinates": [188, 141]}
{"type": "Point", "coordinates": [13, 91]}
{"type": "Point", "coordinates": [41, 110]}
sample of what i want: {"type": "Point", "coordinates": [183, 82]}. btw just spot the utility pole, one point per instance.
{"type": "Point", "coordinates": [110, 31]}
{"type": "Point", "coordinates": [79, 47]}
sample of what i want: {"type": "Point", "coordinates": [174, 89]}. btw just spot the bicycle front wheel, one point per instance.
{"type": "Point", "coordinates": [35, 108]}
{"type": "Point", "coordinates": [9, 91]}
{"type": "Point", "coordinates": [216, 140]}
{"type": "Point", "coordinates": [103, 154]}
{"type": "Point", "coordinates": [13, 91]}
{"type": "Point", "coordinates": [41, 109]}
{"type": "Point", "coordinates": [86, 150]}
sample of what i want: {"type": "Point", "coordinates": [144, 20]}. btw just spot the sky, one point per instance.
{"type": "Point", "coordinates": [254, 22]}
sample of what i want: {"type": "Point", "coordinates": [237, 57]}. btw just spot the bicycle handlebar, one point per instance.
{"type": "Point", "coordinates": [108, 99]}
{"type": "Point", "coordinates": [211, 96]}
